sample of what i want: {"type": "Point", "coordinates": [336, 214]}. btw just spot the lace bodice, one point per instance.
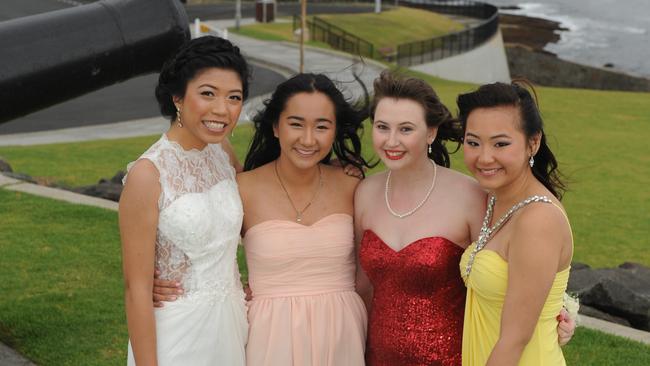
{"type": "Point", "coordinates": [200, 216]}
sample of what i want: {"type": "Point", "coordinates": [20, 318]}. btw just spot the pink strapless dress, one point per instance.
{"type": "Point", "coordinates": [416, 317]}
{"type": "Point", "coordinates": [304, 311]}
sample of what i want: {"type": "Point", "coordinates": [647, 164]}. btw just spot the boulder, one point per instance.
{"type": "Point", "coordinates": [109, 189]}
{"type": "Point", "coordinates": [622, 292]}
{"type": "Point", "coordinates": [4, 165]}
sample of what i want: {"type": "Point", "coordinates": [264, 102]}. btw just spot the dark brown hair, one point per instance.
{"type": "Point", "coordinates": [517, 95]}
{"type": "Point", "coordinates": [391, 85]}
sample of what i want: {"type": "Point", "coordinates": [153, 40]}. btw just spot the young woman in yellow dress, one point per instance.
{"type": "Point", "coordinates": [519, 266]}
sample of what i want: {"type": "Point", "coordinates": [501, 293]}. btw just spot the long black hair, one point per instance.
{"type": "Point", "coordinates": [391, 85]}
{"type": "Point", "coordinates": [265, 147]}
{"type": "Point", "coordinates": [196, 55]}
{"type": "Point", "coordinates": [517, 95]}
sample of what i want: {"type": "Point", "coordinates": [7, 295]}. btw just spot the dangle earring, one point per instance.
{"type": "Point", "coordinates": [178, 118]}
{"type": "Point", "coordinates": [531, 161]}
{"type": "Point", "coordinates": [429, 148]}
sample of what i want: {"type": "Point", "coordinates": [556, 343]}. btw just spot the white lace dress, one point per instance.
{"type": "Point", "coordinates": [196, 244]}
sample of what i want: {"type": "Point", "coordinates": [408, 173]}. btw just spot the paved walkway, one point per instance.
{"type": "Point", "coordinates": [279, 56]}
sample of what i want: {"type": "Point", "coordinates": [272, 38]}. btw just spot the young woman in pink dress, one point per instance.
{"type": "Point", "coordinates": [413, 223]}
{"type": "Point", "coordinates": [298, 231]}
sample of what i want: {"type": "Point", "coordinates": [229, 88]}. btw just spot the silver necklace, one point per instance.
{"type": "Point", "coordinates": [487, 232]}
{"type": "Point", "coordinates": [299, 212]}
{"type": "Point", "coordinates": [411, 212]}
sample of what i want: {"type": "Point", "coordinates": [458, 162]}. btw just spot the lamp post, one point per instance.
{"type": "Point", "coordinates": [237, 13]}
{"type": "Point", "coordinates": [303, 27]}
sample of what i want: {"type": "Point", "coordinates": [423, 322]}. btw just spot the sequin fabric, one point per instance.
{"type": "Point", "coordinates": [416, 318]}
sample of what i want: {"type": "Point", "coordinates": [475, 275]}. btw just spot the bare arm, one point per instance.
{"type": "Point", "coordinates": [363, 285]}
{"type": "Point", "coordinates": [227, 147]}
{"type": "Point", "coordinates": [138, 219]}
{"type": "Point", "coordinates": [534, 257]}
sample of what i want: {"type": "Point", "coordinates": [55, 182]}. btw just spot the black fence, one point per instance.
{"type": "Point", "coordinates": [322, 31]}
{"type": "Point", "coordinates": [419, 52]}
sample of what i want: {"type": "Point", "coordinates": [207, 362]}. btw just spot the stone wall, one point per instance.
{"type": "Point", "coordinates": [546, 69]}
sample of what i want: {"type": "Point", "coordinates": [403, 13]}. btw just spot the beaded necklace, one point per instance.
{"type": "Point", "coordinates": [487, 232]}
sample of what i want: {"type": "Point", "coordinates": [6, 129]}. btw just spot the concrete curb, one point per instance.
{"type": "Point", "coordinates": [55, 193]}
{"type": "Point", "coordinates": [117, 130]}
{"type": "Point", "coordinates": [615, 329]}
{"type": "Point", "coordinates": [9, 357]}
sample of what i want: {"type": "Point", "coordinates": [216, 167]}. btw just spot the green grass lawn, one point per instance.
{"type": "Point", "coordinates": [405, 24]}
{"type": "Point", "coordinates": [62, 298]}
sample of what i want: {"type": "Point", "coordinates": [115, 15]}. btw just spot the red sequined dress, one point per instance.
{"type": "Point", "coordinates": [416, 317]}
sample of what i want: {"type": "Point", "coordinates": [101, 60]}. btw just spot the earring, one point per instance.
{"type": "Point", "coordinates": [531, 161]}
{"type": "Point", "coordinates": [178, 118]}
{"type": "Point", "coordinates": [429, 148]}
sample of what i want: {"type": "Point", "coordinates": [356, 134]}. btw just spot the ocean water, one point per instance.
{"type": "Point", "coordinates": [599, 31]}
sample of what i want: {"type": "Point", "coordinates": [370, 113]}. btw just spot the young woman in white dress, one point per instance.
{"type": "Point", "coordinates": [180, 212]}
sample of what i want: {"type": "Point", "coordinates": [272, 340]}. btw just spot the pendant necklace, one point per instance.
{"type": "Point", "coordinates": [300, 212]}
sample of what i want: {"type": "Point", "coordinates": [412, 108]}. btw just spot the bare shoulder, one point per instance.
{"type": "Point", "coordinates": [143, 174]}
{"type": "Point", "coordinates": [370, 186]}
{"type": "Point", "coordinates": [541, 217]}
{"type": "Point", "coordinates": [463, 186]}
{"type": "Point", "coordinates": [341, 180]}
{"type": "Point", "coordinates": [250, 180]}
{"type": "Point", "coordinates": [142, 186]}
{"type": "Point", "coordinates": [542, 222]}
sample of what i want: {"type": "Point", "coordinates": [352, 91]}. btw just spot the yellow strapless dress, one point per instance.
{"type": "Point", "coordinates": [486, 291]}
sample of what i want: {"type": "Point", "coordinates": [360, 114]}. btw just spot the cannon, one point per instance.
{"type": "Point", "coordinates": [48, 58]}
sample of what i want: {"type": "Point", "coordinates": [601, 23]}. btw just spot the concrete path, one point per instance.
{"type": "Point", "coordinates": [278, 56]}
{"type": "Point", "coordinates": [9, 357]}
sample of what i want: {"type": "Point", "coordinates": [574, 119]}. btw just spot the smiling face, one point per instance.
{"type": "Point", "coordinates": [496, 150]}
{"type": "Point", "coordinates": [211, 106]}
{"type": "Point", "coordinates": [400, 135]}
{"type": "Point", "coordinates": [306, 129]}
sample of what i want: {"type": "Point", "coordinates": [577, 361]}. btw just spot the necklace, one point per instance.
{"type": "Point", "coordinates": [411, 212]}
{"type": "Point", "coordinates": [300, 212]}
{"type": "Point", "coordinates": [487, 232]}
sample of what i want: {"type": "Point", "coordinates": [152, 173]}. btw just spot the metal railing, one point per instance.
{"type": "Point", "coordinates": [419, 52]}
{"type": "Point", "coordinates": [323, 31]}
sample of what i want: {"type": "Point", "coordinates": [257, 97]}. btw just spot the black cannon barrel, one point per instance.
{"type": "Point", "coordinates": [52, 57]}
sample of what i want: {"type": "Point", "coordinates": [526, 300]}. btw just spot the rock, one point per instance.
{"type": "Point", "coordinates": [576, 266]}
{"type": "Point", "coordinates": [104, 190]}
{"type": "Point", "coordinates": [4, 166]}
{"type": "Point", "coordinates": [595, 313]}
{"type": "Point", "coordinates": [548, 70]}
{"type": "Point", "coordinates": [109, 189]}
{"type": "Point", "coordinates": [636, 268]}
{"type": "Point", "coordinates": [621, 292]}
{"type": "Point", "coordinates": [117, 178]}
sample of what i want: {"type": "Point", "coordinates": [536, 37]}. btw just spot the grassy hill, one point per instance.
{"type": "Point", "coordinates": [405, 24]}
